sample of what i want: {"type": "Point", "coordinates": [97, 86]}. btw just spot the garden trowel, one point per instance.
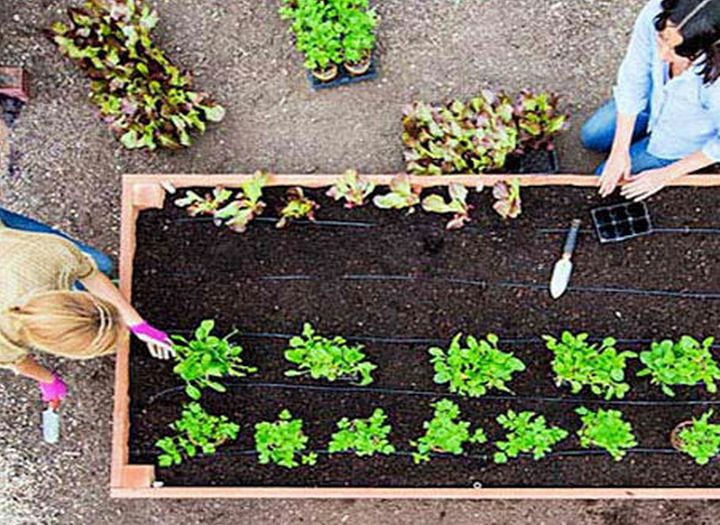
{"type": "Point", "coordinates": [563, 268]}
{"type": "Point", "coordinates": [51, 424]}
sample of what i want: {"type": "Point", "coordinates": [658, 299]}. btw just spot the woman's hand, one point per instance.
{"type": "Point", "coordinates": [157, 341]}
{"type": "Point", "coordinates": [54, 391]}
{"type": "Point", "coordinates": [648, 183]}
{"type": "Point", "coordinates": [617, 168]}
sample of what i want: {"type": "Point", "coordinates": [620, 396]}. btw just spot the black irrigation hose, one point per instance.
{"type": "Point", "coordinates": [431, 393]}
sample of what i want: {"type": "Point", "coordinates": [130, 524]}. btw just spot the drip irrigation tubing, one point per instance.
{"type": "Point", "coordinates": [230, 452]}
{"type": "Point", "coordinates": [430, 393]}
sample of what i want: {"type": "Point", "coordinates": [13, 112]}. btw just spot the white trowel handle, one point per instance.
{"type": "Point", "coordinates": [571, 240]}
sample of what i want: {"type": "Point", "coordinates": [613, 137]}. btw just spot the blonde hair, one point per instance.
{"type": "Point", "coordinates": [70, 324]}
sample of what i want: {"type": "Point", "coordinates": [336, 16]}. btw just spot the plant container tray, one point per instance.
{"type": "Point", "coordinates": [14, 82]}
{"type": "Point", "coordinates": [622, 222]}
{"type": "Point", "coordinates": [400, 284]}
{"type": "Point", "coordinates": [534, 161]}
{"type": "Point", "coordinates": [344, 78]}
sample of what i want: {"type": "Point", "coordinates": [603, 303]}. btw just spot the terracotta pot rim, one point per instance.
{"type": "Point", "coordinates": [674, 435]}
{"type": "Point", "coordinates": [359, 68]}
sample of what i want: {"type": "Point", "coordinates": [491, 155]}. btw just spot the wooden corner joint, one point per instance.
{"type": "Point", "coordinates": [136, 477]}
{"type": "Point", "coordinates": [147, 195]}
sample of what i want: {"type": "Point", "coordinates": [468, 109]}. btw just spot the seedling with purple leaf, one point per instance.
{"type": "Point", "coordinates": [297, 206]}
{"type": "Point", "coordinates": [507, 195]}
{"type": "Point", "coordinates": [458, 205]}
{"type": "Point", "coordinates": [205, 205]}
{"type": "Point", "coordinates": [246, 205]}
{"type": "Point", "coordinates": [402, 195]}
{"type": "Point", "coordinates": [353, 188]}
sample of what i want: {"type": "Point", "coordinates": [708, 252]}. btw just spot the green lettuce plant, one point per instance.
{"type": "Point", "coordinates": [365, 437]}
{"type": "Point", "coordinates": [445, 433]}
{"type": "Point", "coordinates": [538, 120]}
{"type": "Point", "coordinates": [146, 100]}
{"type": "Point", "coordinates": [606, 429]}
{"type": "Point", "coordinates": [686, 362]}
{"type": "Point", "coordinates": [282, 442]}
{"type": "Point", "coordinates": [195, 431]}
{"type": "Point", "coordinates": [475, 367]}
{"type": "Point", "coordinates": [580, 364]}
{"type": "Point", "coordinates": [508, 203]}
{"type": "Point", "coordinates": [207, 204]}
{"type": "Point", "coordinates": [527, 433]}
{"type": "Point", "coordinates": [459, 137]}
{"type": "Point", "coordinates": [297, 206]}
{"type": "Point", "coordinates": [701, 439]}
{"type": "Point", "coordinates": [352, 188]}
{"type": "Point", "coordinates": [207, 358]}
{"type": "Point", "coordinates": [324, 358]}
{"type": "Point", "coordinates": [458, 205]}
{"type": "Point", "coordinates": [403, 194]}
{"type": "Point", "coordinates": [245, 206]}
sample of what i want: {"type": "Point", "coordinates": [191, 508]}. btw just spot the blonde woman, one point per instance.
{"type": "Point", "coordinates": [40, 311]}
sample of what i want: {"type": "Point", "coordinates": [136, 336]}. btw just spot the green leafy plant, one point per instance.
{"type": "Point", "coordinates": [538, 120]}
{"type": "Point", "coordinates": [196, 430]}
{"type": "Point", "coordinates": [330, 32]}
{"type": "Point", "coordinates": [245, 206]}
{"type": "Point", "coordinates": [353, 188]}
{"type": "Point", "coordinates": [403, 194]}
{"type": "Point", "coordinates": [475, 367]}
{"type": "Point", "coordinates": [330, 359]}
{"type": "Point", "coordinates": [701, 439]}
{"type": "Point", "coordinates": [207, 358]}
{"type": "Point", "coordinates": [458, 206]}
{"type": "Point", "coordinates": [146, 100]}
{"type": "Point", "coordinates": [606, 429]}
{"type": "Point", "coordinates": [528, 433]}
{"type": "Point", "coordinates": [685, 362]}
{"type": "Point", "coordinates": [366, 437]}
{"type": "Point", "coordinates": [282, 441]}
{"type": "Point", "coordinates": [297, 206]}
{"type": "Point", "coordinates": [579, 363]}
{"type": "Point", "coordinates": [445, 433]}
{"type": "Point", "coordinates": [508, 203]}
{"type": "Point", "coordinates": [207, 204]}
{"type": "Point", "coordinates": [459, 137]}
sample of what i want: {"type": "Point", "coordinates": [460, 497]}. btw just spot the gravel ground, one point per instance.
{"type": "Point", "coordinates": [68, 169]}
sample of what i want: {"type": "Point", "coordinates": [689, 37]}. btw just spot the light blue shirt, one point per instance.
{"type": "Point", "coordinates": [684, 113]}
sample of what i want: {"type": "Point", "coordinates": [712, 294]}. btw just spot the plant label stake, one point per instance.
{"type": "Point", "coordinates": [563, 268]}
{"type": "Point", "coordinates": [51, 424]}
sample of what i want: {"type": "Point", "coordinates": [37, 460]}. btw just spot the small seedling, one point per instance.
{"type": "Point", "coordinates": [365, 437]}
{"type": "Point", "coordinates": [330, 359]}
{"type": "Point", "coordinates": [528, 433]}
{"type": "Point", "coordinates": [476, 367]}
{"type": "Point", "coordinates": [686, 362]}
{"type": "Point", "coordinates": [508, 202]}
{"type": "Point", "coordinates": [207, 358]}
{"type": "Point", "coordinates": [458, 206]}
{"type": "Point", "coordinates": [353, 188]}
{"type": "Point", "coordinates": [606, 429]}
{"type": "Point", "coordinates": [582, 364]}
{"type": "Point", "coordinates": [402, 195]}
{"type": "Point", "coordinates": [701, 439]}
{"type": "Point", "coordinates": [445, 433]}
{"type": "Point", "coordinates": [196, 430]}
{"type": "Point", "coordinates": [246, 205]}
{"type": "Point", "coordinates": [297, 206]}
{"type": "Point", "coordinates": [204, 205]}
{"type": "Point", "coordinates": [280, 442]}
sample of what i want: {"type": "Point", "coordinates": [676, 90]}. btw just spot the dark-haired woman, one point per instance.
{"type": "Point", "coordinates": [664, 120]}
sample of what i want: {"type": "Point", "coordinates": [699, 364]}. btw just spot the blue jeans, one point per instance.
{"type": "Point", "coordinates": [599, 130]}
{"type": "Point", "coordinates": [20, 222]}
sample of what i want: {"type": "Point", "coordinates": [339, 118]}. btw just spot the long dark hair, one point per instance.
{"type": "Point", "coordinates": [701, 32]}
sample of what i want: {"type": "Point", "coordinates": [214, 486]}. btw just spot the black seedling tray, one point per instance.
{"type": "Point", "coordinates": [533, 161]}
{"type": "Point", "coordinates": [10, 109]}
{"type": "Point", "coordinates": [622, 221]}
{"type": "Point", "coordinates": [344, 77]}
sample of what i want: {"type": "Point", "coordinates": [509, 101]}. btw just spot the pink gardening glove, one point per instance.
{"type": "Point", "coordinates": [157, 341]}
{"type": "Point", "coordinates": [53, 392]}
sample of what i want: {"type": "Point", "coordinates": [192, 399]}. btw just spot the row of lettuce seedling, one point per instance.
{"type": "Point", "coordinates": [470, 368]}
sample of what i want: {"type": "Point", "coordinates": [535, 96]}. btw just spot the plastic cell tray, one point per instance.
{"type": "Point", "coordinates": [621, 222]}
{"type": "Point", "coordinates": [344, 78]}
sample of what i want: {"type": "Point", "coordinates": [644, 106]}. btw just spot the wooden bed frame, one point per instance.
{"type": "Point", "coordinates": [141, 192]}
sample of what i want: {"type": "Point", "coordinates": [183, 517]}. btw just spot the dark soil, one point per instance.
{"type": "Point", "coordinates": [389, 275]}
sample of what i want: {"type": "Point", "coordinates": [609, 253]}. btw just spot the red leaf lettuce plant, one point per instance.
{"type": "Point", "coordinates": [507, 199]}
{"type": "Point", "coordinates": [402, 195]}
{"type": "Point", "coordinates": [353, 188]}
{"type": "Point", "coordinates": [458, 206]}
{"type": "Point", "coordinates": [297, 206]}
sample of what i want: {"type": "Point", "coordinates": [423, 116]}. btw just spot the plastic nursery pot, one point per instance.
{"type": "Point", "coordinates": [675, 435]}
{"type": "Point", "coordinates": [358, 68]}
{"type": "Point", "coordinates": [327, 74]}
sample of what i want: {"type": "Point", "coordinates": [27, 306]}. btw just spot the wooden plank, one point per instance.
{"type": "Point", "coordinates": [133, 481]}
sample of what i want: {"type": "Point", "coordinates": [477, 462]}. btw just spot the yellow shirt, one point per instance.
{"type": "Point", "coordinates": [32, 263]}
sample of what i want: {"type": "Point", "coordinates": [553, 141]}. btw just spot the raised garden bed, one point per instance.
{"type": "Point", "coordinates": [399, 285]}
